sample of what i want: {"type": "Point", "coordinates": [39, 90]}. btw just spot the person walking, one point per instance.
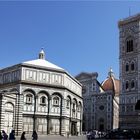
{"type": "Point", "coordinates": [12, 135]}
{"type": "Point", "coordinates": [1, 136]}
{"type": "Point", "coordinates": [4, 135]}
{"type": "Point", "coordinates": [23, 136]}
{"type": "Point", "coordinates": [34, 135]}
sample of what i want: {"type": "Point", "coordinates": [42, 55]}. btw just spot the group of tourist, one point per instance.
{"type": "Point", "coordinates": [4, 136]}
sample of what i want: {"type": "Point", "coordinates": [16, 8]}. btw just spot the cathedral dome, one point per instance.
{"type": "Point", "coordinates": [111, 83]}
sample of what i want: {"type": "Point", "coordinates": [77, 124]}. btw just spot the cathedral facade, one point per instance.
{"type": "Point", "coordinates": [38, 95]}
{"type": "Point", "coordinates": [101, 102]}
{"type": "Point", "coordinates": [129, 57]}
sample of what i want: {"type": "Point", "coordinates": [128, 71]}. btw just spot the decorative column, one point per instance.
{"type": "Point", "coordinates": [70, 118]}
{"type": "Point", "coordinates": [60, 130]}
{"type": "Point", "coordinates": [1, 111]}
{"type": "Point", "coordinates": [80, 129]}
{"type": "Point", "coordinates": [18, 114]}
{"type": "Point", "coordinates": [34, 115]}
{"type": "Point", "coordinates": [48, 117]}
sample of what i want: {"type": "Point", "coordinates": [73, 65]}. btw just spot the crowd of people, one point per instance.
{"type": "Point", "coordinates": [4, 136]}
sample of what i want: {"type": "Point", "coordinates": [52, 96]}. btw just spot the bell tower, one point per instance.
{"type": "Point", "coordinates": [129, 63]}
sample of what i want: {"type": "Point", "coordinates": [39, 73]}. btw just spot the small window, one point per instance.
{"type": "Point", "coordinates": [74, 107]}
{"type": "Point", "coordinates": [126, 85]}
{"type": "Point", "coordinates": [68, 103]}
{"type": "Point", "coordinates": [79, 107]}
{"type": "Point", "coordinates": [29, 99]}
{"type": "Point", "coordinates": [93, 86]}
{"type": "Point", "coordinates": [132, 66]}
{"type": "Point", "coordinates": [127, 68]}
{"type": "Point", "coordinates": [56, 101]}
{"type": "Point", "coordinates": [129, 46]}
{"type": "Point", "coordinates": [43, 100]}
{"type": "Point", "coordinates": [132, 84]}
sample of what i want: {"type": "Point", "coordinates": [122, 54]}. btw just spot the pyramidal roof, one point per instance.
{"type": "Point", "coordinates": [41, 62]}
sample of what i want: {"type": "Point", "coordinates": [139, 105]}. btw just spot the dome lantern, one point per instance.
{"type": "Point", "coordinates": [110, 73]}
{"type": "Point", "coordinates": [42, 54]}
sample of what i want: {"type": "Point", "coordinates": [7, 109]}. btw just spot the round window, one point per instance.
{"type": "Point", "coordinates": [101, 107]}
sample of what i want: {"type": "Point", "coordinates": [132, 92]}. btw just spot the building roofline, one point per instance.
{"type": "Point", "coordinates": [42, 68]}
{"type": "Point", "coordinates": [129, 19]}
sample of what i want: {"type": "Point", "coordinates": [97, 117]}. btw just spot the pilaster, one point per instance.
{"type": "Point", "coordinates": [2, 112]}
{"type": "Point", "coordinates": [19, 114]}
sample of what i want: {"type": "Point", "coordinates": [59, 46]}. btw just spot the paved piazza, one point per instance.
{"type": "Point", "coordinates": [51, 137]}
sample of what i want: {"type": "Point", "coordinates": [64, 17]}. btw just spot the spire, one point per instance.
{"type": "Point", "coordinates": [42, 54]}
{"type": "Point", "coordinates": [110, 73]}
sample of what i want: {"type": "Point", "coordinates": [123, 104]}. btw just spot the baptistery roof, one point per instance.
{"type": "Point", "coordinates": [41, 62]}
{"type": "Point", "coordinates": [111, 83]}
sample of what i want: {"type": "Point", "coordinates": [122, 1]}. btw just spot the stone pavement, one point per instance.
{"type": "Point", "coordinates": [55, 137]}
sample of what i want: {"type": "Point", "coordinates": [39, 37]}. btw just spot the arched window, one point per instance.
{"type": "Point", "coordinates": [56, 101]}
{"type": "Point", "coordinates": [43, 100]}
{"type": "Point", "coordinates": [132, 66]}
{"type": "Point", "coordinates": [132, 84]}
{"type": "Point", "coordinates": [29, 98]}
{"type": "Point", "coordinates": [68, 102]}
{"type": "Point", "coordinates": [129, 45]}
{"type": "Point", "coordinates": [126, 85]}
{"type": "Point", "coordinates": [74, 106]}
{"type": "Point", "coordinates": [79, 107]}
{"type": "Point", "coordinates": [127, 67]}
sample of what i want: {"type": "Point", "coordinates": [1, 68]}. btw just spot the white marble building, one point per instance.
{"type": "Point", "coordinates": [38, 95]}
{"type": "Point", "coordinates": [129, 40]}
{"type": "Point", "coordinates": [100, 102]}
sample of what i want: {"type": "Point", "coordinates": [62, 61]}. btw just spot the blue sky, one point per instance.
{"type": "Point", "coordinates": [78, 36]}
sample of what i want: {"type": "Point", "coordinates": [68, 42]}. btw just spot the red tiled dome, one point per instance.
{"type": "Point", "coordinates": [111, 84]}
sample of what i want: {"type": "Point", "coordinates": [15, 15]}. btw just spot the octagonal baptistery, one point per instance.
{"type": "Point", "coordinates": [38, 95]}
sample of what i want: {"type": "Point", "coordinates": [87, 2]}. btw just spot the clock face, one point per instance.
{"type": "Point", "coordinates": [101, 107]}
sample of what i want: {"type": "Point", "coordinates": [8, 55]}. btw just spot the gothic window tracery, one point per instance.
{"type": "Point", "coordinates": [129, 45]}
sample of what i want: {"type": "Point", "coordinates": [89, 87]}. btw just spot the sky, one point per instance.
{"type": "Point", "coordinates": [79, 36]}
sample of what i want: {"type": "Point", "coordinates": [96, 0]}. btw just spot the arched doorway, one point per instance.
{"type": "Point", "coordinates": [73, 128]}
{"type": "Point", "coordinates": [101, 124]}
{"type": "Point", "coordinates": [8, 117]}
